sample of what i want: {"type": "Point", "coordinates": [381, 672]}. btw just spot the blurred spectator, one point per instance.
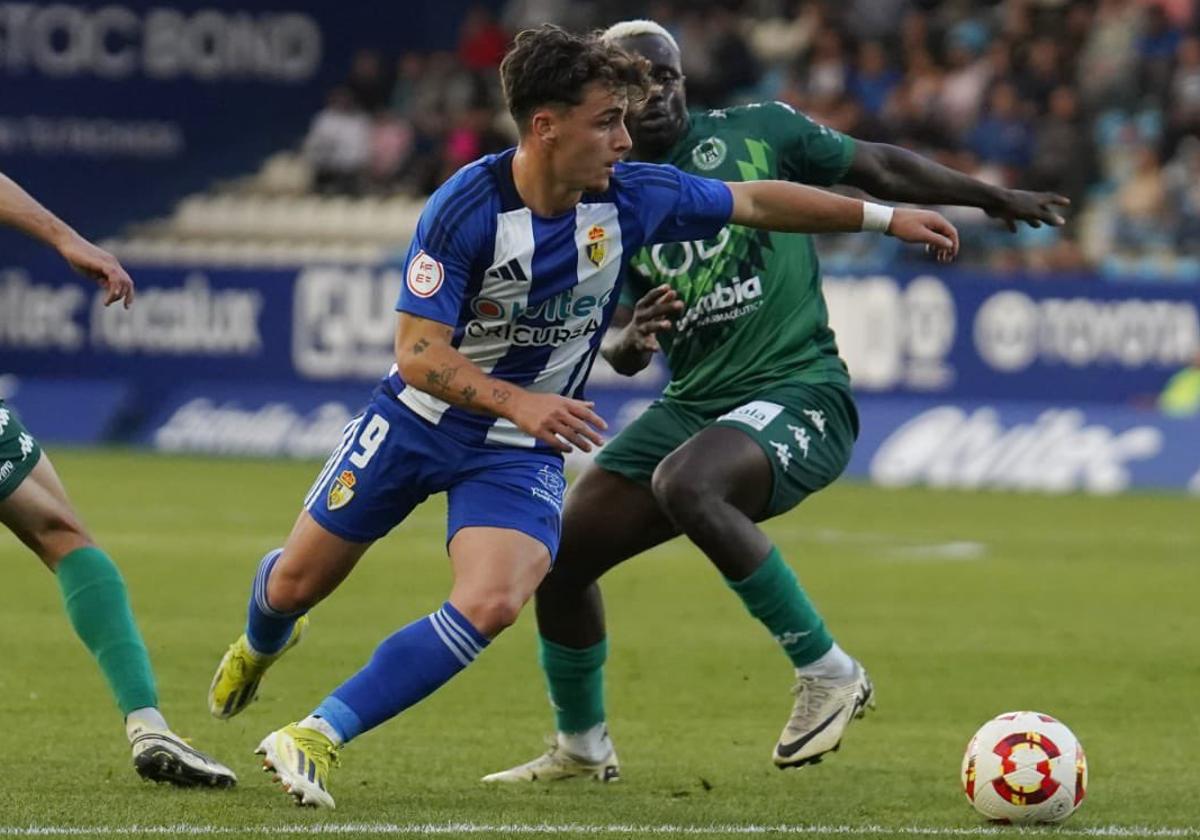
{"type": "Point", "coordinates": [874, 78]}
{"type": "Point", "coordinates": [914, 110]}
{"type": "Point", "coordinates": [697, 60]}
{"type": "Point", "coordinates": [825, 78]}
{"type": "Point", "coordinates": [1041, 75]}
{"type": "Point", "coordinates": [1062, 160]}
{"type": "Point", "coordinates": [1156, 53]}
{"type": "Point", "coordinates": [1184, 102]}
{"type": "Point", "coordinates": [1142, 205]}
{"type": "Point", "coordinates": [471, 136]}
{"type": "Point", "coordinates": [967, 79]}
{"type": "Point", "coordinates": [1107, 70]}
{"type": "Point", "coordinates": [368, 82]}
{"type": "Point", "coordinates": [777, 40]}
{"type": "Point", "coordinates": [410, 69]}
{"type": "Point", "coordinates": [873, 20]}
{"type": "Point", "coordinates": [392, 144]}
{"type": "Point", "coordinates": [1082, 97]}
{"type": "Point", "coordinates": [482, 42]}
{"type": "Point", "coordinates": [577, 15]}
{"type": "Point", "coordinates": [1182, 177]}
{"type": "Point", "coordinates": [731, 54]}
{"type": "Point", "coordinates": [914, 31]}
{"type": "Point", "coordinates": [338, 144]}
{"type": "Point", "coordinates": [1004, 136]}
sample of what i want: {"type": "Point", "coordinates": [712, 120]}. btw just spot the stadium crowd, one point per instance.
{"type": "Point", "coordinates": [1096, 99]}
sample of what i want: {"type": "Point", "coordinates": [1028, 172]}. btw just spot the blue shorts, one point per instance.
{"type": "Point", "coordinates": [390, 460]}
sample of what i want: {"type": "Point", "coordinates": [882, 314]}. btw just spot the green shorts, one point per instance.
{"type": "Point", "coordinates": [19, 452]}
{"type": "Point", "coordinates": [807, 432]}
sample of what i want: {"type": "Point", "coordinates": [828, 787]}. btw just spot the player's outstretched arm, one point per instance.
{"type": "Point", "coordinates": [632, 338]}
{"type": "Point", "coordinates": [429, 363]}
{"type": "Point", "coordinates": [20, 210]}
{"type": "Point", "coordinates": [794, 208]}
{"type": "Point", "coordinates": [896, 174]}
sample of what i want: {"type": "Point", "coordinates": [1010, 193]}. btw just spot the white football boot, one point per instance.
{"type": "Point", "coordinates": [557, 765]}
{"type": "Point", "coordinates": [824, 708]}
{"type": "Point", "coordinates": [162, 756]}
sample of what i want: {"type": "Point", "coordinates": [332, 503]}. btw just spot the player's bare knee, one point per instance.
{"type": "Point", "coordinates": [559, 581]}
{"type": "Point", "coordinates": [490, 613]}
{"type": "Point", "coordinates": [292, 590]}
{"type": "Point", "coordinates": [55, 535]}
{"type": "Point", "coordinates": [680, 492]}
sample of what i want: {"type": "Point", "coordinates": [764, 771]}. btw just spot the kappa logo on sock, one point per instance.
{"type": "Point", "coordinates": [6, 469]}
{"type": "Point", "coordinates": [791, 637]}
{"type": "Point", "coordinates": [342, 490]}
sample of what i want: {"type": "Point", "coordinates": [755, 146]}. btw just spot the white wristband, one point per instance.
{"type": "Point", "coordinates": [876, 217]}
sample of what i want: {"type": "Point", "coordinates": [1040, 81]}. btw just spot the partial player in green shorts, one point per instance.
{"type": "Point", "coordinates": [757, 415]}
{"type": "Point", "coordinates": [35, 507]}
{"type": "Point", "coordinates": [19, 452]}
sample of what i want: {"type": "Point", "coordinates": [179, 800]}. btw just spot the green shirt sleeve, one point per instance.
{"type": "Point", "coordinates": [808, 151]}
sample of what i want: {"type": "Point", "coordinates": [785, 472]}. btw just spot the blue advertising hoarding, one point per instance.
{"type": "Point", "coordinates": [948, 334]}
{"type": "Point", "coordinates": [1048, 446]}
{"type": "Point", "coordinates": [97, 96]}
{"type": "Point", "coordinates": [970, 335]}
{"type": "Point", "coordinates": [964, 381]}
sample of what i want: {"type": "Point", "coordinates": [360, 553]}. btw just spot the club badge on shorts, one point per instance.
{"type": "Point", "coordinates": [342, 490]}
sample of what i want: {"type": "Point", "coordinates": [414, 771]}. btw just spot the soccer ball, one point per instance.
{"type": "Point", "coordinates": [1025, 767]}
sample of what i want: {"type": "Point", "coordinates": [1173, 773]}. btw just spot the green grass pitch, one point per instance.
{"type": "Point", "coordinates": [962, 606]}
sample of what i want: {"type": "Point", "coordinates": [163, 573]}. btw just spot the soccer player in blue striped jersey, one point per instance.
{"type": "Point", "coordinates": [510, 282]}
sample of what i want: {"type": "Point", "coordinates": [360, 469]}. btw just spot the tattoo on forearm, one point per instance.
{"type": "Point", "coordinates": [468, 394]}
{"type": "Point", "coordinates": [421, 346]}
{"type": "Point", "coordinates": [443, 379]}
{"type": "Point", "coordinates": [501, 395]}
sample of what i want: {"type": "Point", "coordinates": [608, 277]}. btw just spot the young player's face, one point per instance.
{"type": "Point", "coordinates": [591, 137]}
{"type": "Point", "coordinates": [660, 119]}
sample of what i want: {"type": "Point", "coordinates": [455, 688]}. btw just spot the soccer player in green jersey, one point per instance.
{"type": "Point", "coordinates": [34, 506]}
{"type": "Point", "coordinates": [758, 413]}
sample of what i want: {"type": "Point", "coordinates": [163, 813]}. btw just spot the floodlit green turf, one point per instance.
{"type": "Point", "coordinates": [961, 605]}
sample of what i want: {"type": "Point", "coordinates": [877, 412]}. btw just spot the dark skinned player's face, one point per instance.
{"type": "Point", "coordinates": [658, 122]}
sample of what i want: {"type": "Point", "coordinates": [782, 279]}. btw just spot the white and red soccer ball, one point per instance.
{"type": "Point", "coordinates": [1025, 767]}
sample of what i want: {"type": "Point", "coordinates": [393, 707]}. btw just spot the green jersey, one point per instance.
{"type": "Point", "coordinates": [755, 315]}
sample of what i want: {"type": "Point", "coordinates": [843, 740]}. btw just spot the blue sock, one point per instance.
{"type": "Point", "coordinates": [267, 629]}
{"type": "Point", "coordinates": [407, 666]}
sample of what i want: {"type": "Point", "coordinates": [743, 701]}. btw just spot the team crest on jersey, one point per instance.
{"type": "Point", "coordinates": [342, 490]}
{"type": "Point", "coordinates": [710, 153]}
{"type": "Point", "coordinates": [597, 247]}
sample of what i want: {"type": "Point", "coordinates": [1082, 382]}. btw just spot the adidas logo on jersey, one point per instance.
{"type": "Point", "coordinates": [510, 271]}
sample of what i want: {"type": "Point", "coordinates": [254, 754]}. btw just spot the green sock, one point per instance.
{"type": "Point", "coordinates": [98, 606]}
{"type": "Point", "coordinates": [575, 678]}
{"type": "Point", "coordinates": [774, 596]}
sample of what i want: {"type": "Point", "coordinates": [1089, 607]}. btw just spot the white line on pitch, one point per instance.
{"type": "Point", "coordinates": [517, 829]}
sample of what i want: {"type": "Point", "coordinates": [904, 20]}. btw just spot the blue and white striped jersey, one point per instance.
{"type": "Point", "coordinates": [530, 297]}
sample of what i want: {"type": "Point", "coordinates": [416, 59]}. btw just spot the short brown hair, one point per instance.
{"type": "Point", "coordinates": [550, 66]}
